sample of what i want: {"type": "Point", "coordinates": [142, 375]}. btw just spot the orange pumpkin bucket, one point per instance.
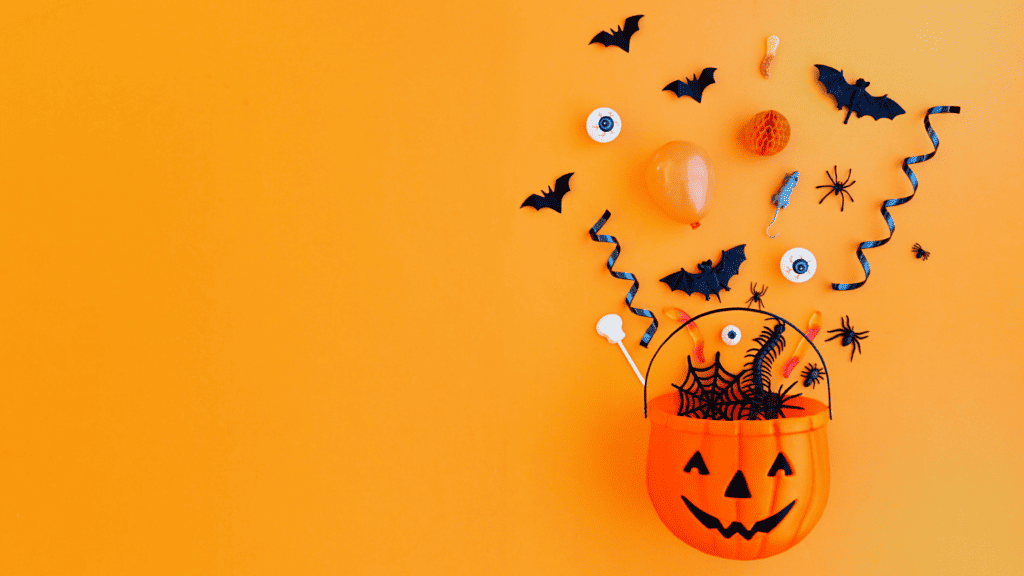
{"type": "Point", "coordinates": [740, 489]}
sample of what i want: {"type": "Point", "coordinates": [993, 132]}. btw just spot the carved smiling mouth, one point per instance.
{"type": "Point", "coordinates": [766, 525]}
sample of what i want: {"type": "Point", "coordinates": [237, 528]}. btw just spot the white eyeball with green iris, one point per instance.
{"type": "Point", "coordinates": [731, 335]}
{"type": "Point", "coordinates": [603, 125]}
{"type": "Point", "coordinates": [798, 265]}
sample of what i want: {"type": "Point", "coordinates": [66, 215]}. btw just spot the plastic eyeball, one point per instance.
{"type": "Point", "coordinates": [731, 335]}
{"type": "Point", "coordinates": [798, 265]}
{"type": "Point", "coordinates": [603, 125]}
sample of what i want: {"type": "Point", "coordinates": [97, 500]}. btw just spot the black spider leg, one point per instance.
{"type": "Point", "coordinates": [849, 174]}
{"type": "Point", "coordinates": [811, 375]}
{"type": "Point", "coordinates": [857, 337]}
{"type": "Point", "coordinates": [831, 187]}
{"type": "Point", "coordinates": [837, 187]}
{"type": "Point", "coordinates": [784, 397]}
{"type": "Point", "coordinates": [847, 330]}
{"type": "Point", "coordinates": [839, 331]}
{"type": "Point", "coordinates": [755, 296]}
{"type": "Point", "coordinates": [772, 404]}
{"type": "Point", "coordinates": [920, 252]}
{"type": "Point", "coordinates": [843, 188]}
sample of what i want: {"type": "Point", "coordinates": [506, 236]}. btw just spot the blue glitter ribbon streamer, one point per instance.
{"type": "Point", "coordinates": [897, 201]}
{"type": "Point", "coordinates": [624, 276]}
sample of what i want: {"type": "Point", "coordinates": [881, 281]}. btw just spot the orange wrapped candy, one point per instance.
{"type": "Point", "coordinates": [767, 133]}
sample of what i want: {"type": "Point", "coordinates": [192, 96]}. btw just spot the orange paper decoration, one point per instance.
{"type": "Point", "coordinates": [768, 133]}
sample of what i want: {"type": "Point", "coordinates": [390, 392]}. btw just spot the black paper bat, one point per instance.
{"type": "Point", "coordinates": [710, 279]}
{"type": "Point", "coordinates": [855, 97]}
{"type": "Point", "coordinates": [693, 87]}
{"type": "Point", "coordinates": [552, 198]}
{"type": "Point", "coordinates": [621, 36]}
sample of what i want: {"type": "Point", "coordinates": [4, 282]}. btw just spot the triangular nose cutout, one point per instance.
{"type": "Point", "coordinates": [738, 487]}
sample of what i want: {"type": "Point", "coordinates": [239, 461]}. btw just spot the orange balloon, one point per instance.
{"type": "Point", "coordinates": [681, 181]}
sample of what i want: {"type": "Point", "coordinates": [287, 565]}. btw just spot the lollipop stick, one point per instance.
{"type": "Point", "coordinates": [610, 327]}
{"type": "Point", "coordinates": [630, 360]}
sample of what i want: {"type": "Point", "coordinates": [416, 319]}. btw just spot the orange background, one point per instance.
{"type": "Point", "coordinates": [271, 305]}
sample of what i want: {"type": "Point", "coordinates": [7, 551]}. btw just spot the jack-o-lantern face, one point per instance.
{"type": "Point", "coordinates": [740, 489]}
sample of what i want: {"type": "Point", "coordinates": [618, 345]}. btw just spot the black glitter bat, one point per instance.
{"type": "Point", "coordinates": [855, 97]}
{"type": "Point", "coordinates": [693, 87]}
{"type": "Point", "coordinates": [621, 36]}
{"type": "Point", "coordinates": [710, 280]}
{"type": "Point", "coordinates": [552, 198]}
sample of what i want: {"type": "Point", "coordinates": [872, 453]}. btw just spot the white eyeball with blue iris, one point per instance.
{"type": "Point", "coordinates": [603, 125]}
{"type": "Point", "coordinates": [798, 265]}
{"type": "Point", "coordinates": [731, 335]}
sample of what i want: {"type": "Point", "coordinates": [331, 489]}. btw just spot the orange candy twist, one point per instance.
{"type": "Point", "coordinates": [680, 315]}
{"type": "Point", "coordinates": [767, 133]}
{"type": "Point", "coordinates": [813, 328]}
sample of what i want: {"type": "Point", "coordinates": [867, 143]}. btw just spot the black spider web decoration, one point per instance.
{"type": "Point", "coordinates": [713, 393]}
{"type": "Point", "coordinates": [785, 397]}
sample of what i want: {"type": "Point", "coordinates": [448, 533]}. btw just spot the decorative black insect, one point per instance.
{"type": "Point", "coordinates": [850, 337]}
{"type": "Point", "coordinates": [757, 374]}
{"type": "Point", "coordinates": [812, 375]}
{"type": "Point", "coordinates": [710, 279]}
{"type": "Point", "coordinates": [838, 188]}
{"type": "Point", "coordinates": [692, 87]}
{"type": "Point", "coordinates": [552, 198]}
{"type": "Point", "coordinates": [770, 403]}
{"type": "Point", "coordinates": [855, 97]}
{"type": "Point", "coordinates": [713, 393]}
{"type": "Point", "coordinates": [621, 36]}
{"type": "Point", "coordinates": [920, 252]}
{"type": "Point", "coordinates": [755, 296]}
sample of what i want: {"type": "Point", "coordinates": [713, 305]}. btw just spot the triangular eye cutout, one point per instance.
{"type": "Point", "coordinates": [697, 461]}
{"type": "Point", "coordinates": [780, 464]}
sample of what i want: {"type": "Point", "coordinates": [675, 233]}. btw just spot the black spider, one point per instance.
{"type": "Point", "coordinates": [920, 252]}
{"type": "Point", "coordinates": [770, 405]}
{"type": "Point", "coordinates": [850, 337]}
{"type": "Point", "coordinates": [811, 375]}
{"type": "Point", "coordinates": [838, 188]}
{"type": "Point", "coordinates": [755, 296]}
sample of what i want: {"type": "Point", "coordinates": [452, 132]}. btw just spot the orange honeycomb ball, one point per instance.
{"type": "Point", "coordinates": [768, 133]}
